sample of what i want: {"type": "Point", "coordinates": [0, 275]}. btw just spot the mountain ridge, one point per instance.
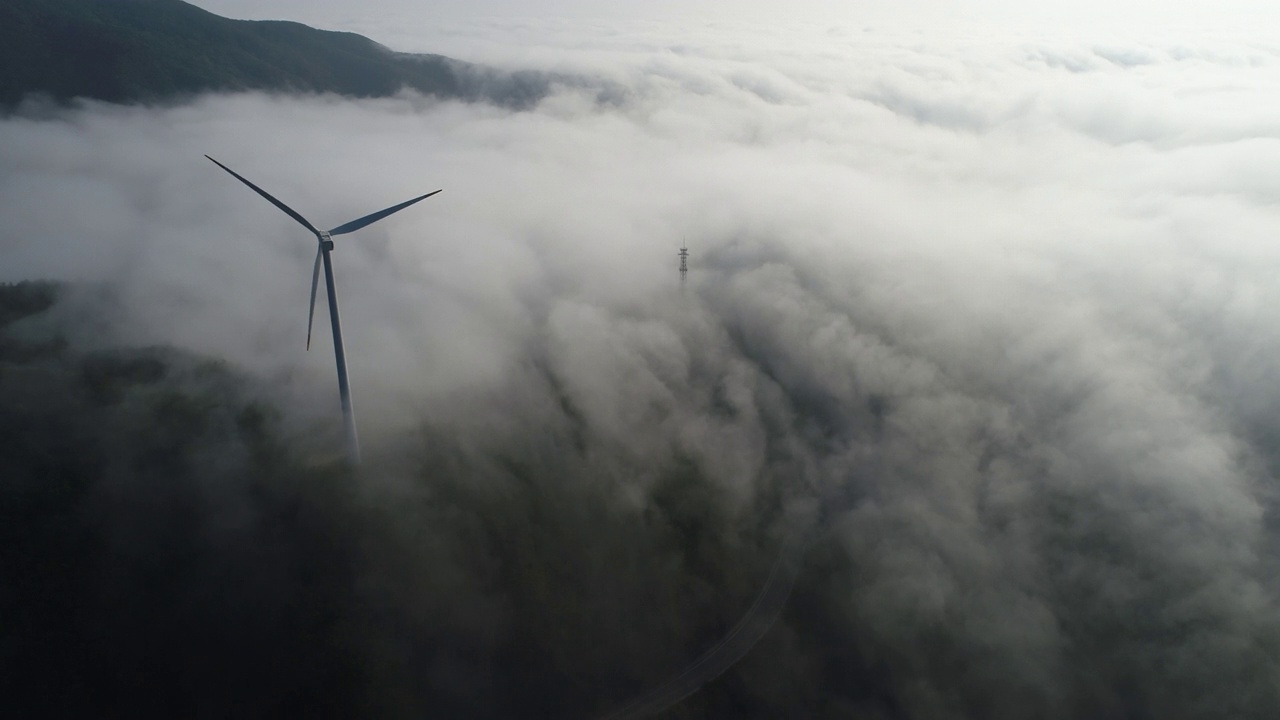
{"type": "Point", "coordinates": [157, 51]}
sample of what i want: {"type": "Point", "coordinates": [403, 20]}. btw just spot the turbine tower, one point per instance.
{"type": "Point", "coordinates": [324, 240]}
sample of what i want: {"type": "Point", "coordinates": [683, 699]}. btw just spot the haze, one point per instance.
{"type": "Point", "coordinates": [996, 298]}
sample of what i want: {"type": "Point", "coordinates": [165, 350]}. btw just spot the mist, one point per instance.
{"type": "Point", "coordinates": [985, 320]}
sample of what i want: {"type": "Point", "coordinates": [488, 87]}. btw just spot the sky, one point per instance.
{"type": "Point", "coordinates": [419, 27]}
{"type": "Point", "coordinates": [1090, 10]}
{"type": "Point", "coordinates": [994, 296]}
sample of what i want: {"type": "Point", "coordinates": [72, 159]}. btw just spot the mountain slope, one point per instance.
{"type": "Point", "coordinates": [128, 51]}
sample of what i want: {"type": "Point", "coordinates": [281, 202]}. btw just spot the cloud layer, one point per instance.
{"type": "Point", "coordinates": [998, 310]}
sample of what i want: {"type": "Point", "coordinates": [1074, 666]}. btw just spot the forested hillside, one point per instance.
{"type": "Point", "coordinates": [128, 51]}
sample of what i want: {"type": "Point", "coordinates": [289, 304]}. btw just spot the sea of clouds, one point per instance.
{"type": "Point", "coordinates": [995, 307]}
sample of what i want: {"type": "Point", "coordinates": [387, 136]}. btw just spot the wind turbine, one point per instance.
{"type": "Point", "coordinates": [324, 241]}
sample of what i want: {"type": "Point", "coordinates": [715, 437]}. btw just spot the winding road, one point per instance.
{"type": "Point", "coordinates": [761, 616]}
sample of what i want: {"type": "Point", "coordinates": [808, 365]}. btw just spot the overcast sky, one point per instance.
{"type": "Point", "coordinates": [385, 20]}
{"type": "Point", "coordinates": [803, 9]}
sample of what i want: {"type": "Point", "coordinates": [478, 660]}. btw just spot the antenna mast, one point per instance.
{"type": "Point", "coordinates": [684, 263]}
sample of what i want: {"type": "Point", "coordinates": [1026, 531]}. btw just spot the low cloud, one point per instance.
{"type": "Point", "coordinates": [999, 312]}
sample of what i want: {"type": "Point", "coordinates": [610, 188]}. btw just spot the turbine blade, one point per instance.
{"type": "Point", "coordinates": [290, 211]}
{"type": "Point", "coordinates": [375, 217]}
{"type": "Point", "coordinates": [315, 277]}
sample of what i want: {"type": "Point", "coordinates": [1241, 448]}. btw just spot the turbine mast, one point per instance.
{"type": "Point", "coordinates": [340, 354]}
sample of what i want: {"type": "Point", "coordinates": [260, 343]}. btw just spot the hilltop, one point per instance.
{"type": "Point", "coordinates": [155, 51]}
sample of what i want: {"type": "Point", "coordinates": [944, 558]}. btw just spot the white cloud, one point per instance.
{"type": "Point", "coordinates": [1048, 263]}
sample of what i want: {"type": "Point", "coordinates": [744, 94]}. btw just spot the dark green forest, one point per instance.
{"type": "Point", "coordinates": [96, 607]}
{"type": "Point", "coordinates": [170, 546]}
